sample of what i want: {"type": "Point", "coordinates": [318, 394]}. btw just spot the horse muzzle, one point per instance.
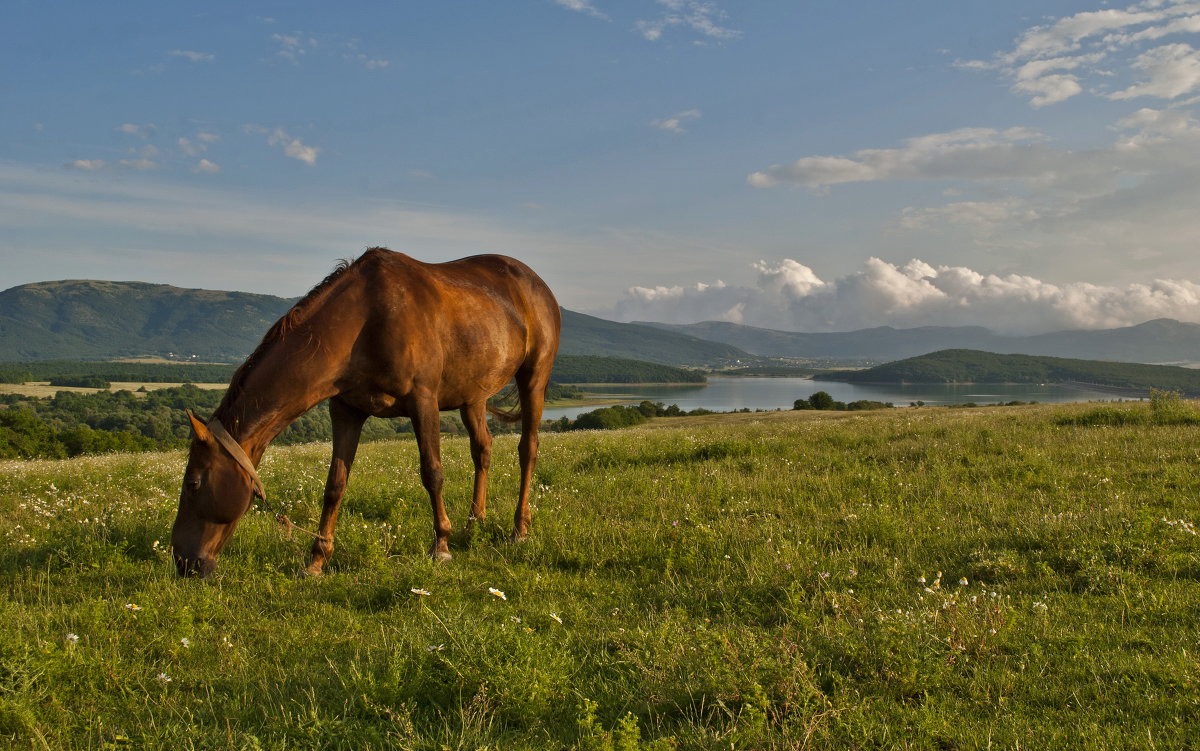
{"type": "Point", "coordinates": [197, 567]}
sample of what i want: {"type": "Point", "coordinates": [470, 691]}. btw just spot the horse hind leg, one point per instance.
{"type": "Point", "coordinates": [531, 387]}
{"type": "Point", "coordinates": [474, 417]}
{"type": "Point", "coordinates": [347, 429]}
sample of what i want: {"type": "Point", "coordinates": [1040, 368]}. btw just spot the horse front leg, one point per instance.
{"type": "Point", "coordinates": [427, 425]}
{"type": "Point", "coordinates": [347, 429]}
{"type": "Point", "coordinates": [474, 417]}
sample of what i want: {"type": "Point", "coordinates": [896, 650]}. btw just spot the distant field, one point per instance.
{"type": "Point", "coordinates": [1020, 577]}
{"type": "Point", "coordinates": [44, 389]}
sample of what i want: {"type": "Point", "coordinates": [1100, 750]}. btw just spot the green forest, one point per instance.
{"type": "Point", "coordinates": [972, 366]}
{"type": "Point", "coordinates": [58, 372]}
{"type": "Point", "coordinates": [71, 423]}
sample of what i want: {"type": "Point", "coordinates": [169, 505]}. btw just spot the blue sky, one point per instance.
{"type": "Point", "coordinates": [800, 165]}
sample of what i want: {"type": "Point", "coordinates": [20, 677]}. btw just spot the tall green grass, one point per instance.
{"type": "Point", "coordinates": [920, 578]}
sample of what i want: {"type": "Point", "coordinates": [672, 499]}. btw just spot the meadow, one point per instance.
{"type": "Point", "coordinates": [917, 578]}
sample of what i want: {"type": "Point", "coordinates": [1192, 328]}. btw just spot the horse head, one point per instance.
{"type": "Point", "coordinates": [219, 484]}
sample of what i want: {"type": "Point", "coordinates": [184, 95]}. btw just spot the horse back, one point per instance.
{"type": "Point", "coordinates": [461, 327]}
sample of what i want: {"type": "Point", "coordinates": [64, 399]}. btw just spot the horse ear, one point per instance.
{"type": "Point", "coordinates": [199, 429]}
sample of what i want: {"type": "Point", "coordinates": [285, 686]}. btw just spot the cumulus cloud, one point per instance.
{"type": "Point", "coordinates": [790, 296]}
{"type": "Point", "coordinates": [675, 122]}
{"type": "Point", "coordinates": [204, 166]}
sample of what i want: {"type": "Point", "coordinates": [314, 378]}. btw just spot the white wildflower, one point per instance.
{"type": "Point", "coordinates": [420, 591]}
{"type": "Point", "coordinates": [496, 593]}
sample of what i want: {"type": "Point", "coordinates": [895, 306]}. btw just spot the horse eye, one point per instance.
{"type": "Point", "coordinates": [193, 483]}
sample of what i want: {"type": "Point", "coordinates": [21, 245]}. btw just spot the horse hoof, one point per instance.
{"type": "Point", "coordinates": [440, 556]}
{"type": "Point", "coordinates": [518, 537]}
{"type": "Point", "coordinates": [308, 572]}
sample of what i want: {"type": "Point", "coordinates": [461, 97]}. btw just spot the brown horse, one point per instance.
{"type": "Point", "coordinates": [386, 336]}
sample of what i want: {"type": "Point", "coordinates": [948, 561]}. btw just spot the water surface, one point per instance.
{"type": "Point", "coordinates": [726, 394]}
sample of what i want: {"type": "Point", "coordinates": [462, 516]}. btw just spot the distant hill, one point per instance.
{"type": "Point", "coordinates": [593, 369]}
{"type": "Point", "coordinates": [972, 366]}
{"type": "Point", "coordinates": [588, 335]}
{"type": "Point", "coordinates": [83, 319]}
{"type": "Point", "coordinates": [95, 320]}
{"type": "Point", "coordinates": [1159, 341]}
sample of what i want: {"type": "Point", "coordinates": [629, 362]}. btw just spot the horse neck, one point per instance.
{"type": "Point", "coordinates": [270, 397]}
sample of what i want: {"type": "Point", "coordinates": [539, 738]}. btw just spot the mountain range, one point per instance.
{"type": "Point", "coordinates": [97, 320]}
{"type": "Point", "coordinates": [100, 320]}
{"type": "Point", "coordinates": [1163, 340]}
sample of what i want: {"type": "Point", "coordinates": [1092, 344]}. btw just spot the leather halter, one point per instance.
{"type": "Point", "coordinates": [239, 455]}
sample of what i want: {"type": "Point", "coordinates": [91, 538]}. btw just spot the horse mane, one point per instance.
{"type": "Point", "coordinates": [295, 316]}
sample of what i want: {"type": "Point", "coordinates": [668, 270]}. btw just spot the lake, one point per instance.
{"type": "Point", "coordinates": [725, 394]}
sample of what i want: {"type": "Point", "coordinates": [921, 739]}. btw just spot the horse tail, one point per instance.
{"type": "Point", "coordinates": [500, 413]}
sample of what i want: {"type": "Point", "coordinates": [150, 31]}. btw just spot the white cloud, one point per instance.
{"type": "Point", "coordinates": [195, 57]}
{"type": "Point", "coordinates": [1053, 62]}
{"type": "Point", "coordinates": [701, 16]}
{"type": "Point", "coordinates": [967, 153]}
{"type": "Point", "coordinates": [1066, 34]}
{"type": "Point", "coordinates": [371, 63]}
{"type": "Point", "coordinates": [97, 165]}
{"type": "Point", "coordinates": [1050, 89]}
{"type": "Point", "coordinates": [88, 165]}
{"type": "Point", "coordinates": [204, 166]}
{"type": "Point", "coordinates": [197, 145]}
{"type": "Point", "coordinates": [1186, 25]}
{"type": "Point", "coordinates": [675, 122]}
{"type": "Point", "coordinates": [293, 46]}
{"type": "Point", "coordinates": [1173, 70]}
{"type": "Point", "coordinates": [582, 6]}
{"type": "Point", "coordinates": [983, 216]}
{"type": "Point", "coordinates": [141, 131]}
{"type": "Point", "coordinates": [790, 296]}
{"type": "Point", "coordinates": [292, 147]}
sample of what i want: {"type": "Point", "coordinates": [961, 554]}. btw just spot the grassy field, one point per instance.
{"type": "Point", "coordinates": [913, 578]}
